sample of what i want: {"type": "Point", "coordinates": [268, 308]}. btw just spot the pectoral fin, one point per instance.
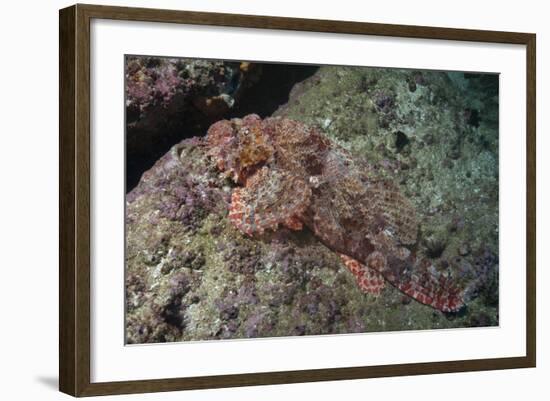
{"type": "Point", "coordinates": [270, 198]}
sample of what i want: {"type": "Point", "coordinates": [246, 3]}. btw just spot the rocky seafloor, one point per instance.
{"type": "Point", "coordinates": [191, 275]}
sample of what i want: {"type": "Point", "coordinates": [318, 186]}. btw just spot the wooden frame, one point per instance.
{"type": "Point", "coordinates": [74, 203]}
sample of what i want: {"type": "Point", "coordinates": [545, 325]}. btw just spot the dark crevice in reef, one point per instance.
{"type": "Point", "coordinates": [272, 90]}
{"type": "Point", "coordinates": [263, 98]}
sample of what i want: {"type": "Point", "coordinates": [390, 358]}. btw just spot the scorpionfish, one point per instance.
{"type": "Point", "coordinates": [291, 175]}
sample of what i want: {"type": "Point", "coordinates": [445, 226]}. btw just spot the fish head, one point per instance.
{"type": "Point", "coordinates": [240, 146]}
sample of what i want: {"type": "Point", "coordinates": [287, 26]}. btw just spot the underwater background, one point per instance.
{"type": "Point", "coordinates": [191, 275]}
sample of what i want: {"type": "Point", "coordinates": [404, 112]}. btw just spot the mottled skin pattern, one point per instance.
{"type": "Point", "coordinates": [292, 175]}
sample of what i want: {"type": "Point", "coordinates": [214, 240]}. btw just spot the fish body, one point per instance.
{"type": "Point", "coordinates": [289, 174]}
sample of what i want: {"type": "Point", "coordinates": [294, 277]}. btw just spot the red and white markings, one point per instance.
{"type": "Point", "coordinates": [368, 279]}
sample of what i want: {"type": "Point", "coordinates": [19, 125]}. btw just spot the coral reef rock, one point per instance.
{"type": "Point", "coordinates": [168, 96]}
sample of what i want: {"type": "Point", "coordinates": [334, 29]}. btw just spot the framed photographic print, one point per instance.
{"type": "Point", "coordinates": [250, 200]}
